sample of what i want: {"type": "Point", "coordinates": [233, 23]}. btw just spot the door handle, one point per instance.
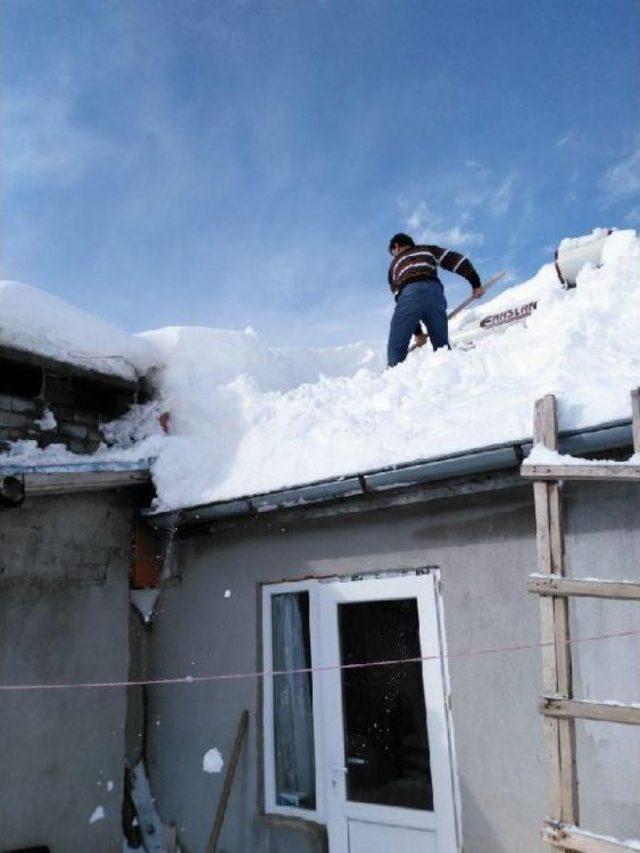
{"type": "Point", "coordinates": [337, 771]}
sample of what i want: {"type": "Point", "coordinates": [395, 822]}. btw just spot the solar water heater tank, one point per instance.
{"type": "Point", "coordinates": [574, 253]}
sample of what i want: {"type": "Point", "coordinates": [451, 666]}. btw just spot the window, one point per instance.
{"type": "Point", "coordinates": [19, 379]}
{"type": "Point", "coordinates": [290, 715]}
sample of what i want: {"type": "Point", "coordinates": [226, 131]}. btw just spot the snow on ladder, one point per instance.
{"type": "Point", "coordinates": [558, 706]}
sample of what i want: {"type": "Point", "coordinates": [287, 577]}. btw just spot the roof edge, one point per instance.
{"type": "Point", "coordinates": [26, 356]}
{"type": "Point", "coordinates": [469, 463]}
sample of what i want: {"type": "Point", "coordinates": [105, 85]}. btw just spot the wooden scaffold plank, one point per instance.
{"type": "Point", "coordinates": [554, 590]}
{"type": "Point", "coordinates": [554, 626]}
{"type": "Point", "coordinates": [623, 472]}
{"type": "Point", "coordinates": [587, 588]}
{"type": "Point", "coordinates": [566, 836]}
{"type": "Point", "coordinates": [607, 712]}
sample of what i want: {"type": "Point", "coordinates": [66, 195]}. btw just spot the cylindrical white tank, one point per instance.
{"type": "Point", "coordinates": [573, 253]}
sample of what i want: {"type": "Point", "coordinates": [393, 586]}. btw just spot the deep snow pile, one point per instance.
{"type": "Point", "coordinates": [250, 432]}
{"type": "Point", "coordinates": [247, 419]}
{"type": "Point", "coordinates": [40, 322]}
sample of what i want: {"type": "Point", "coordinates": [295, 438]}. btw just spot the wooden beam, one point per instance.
{"type": "Point", "coordinates": [554, 626]}
{"type": "Point", "coordinates": [571, 837]}
{"type": "Point", "coordinates": [82, 481]}
{"type": "Point", "coordinates": [170, 838]}
{"type": "Point", "coordinates": [596, 472]}
{"type": "Point", "coordinates": [635, 419]}
{"type": "Point", "coordinates": [553, 585]}
{"type": "Point", "coordinates": [551, 706]}
{"type": "Point", "coordinates": [241, 734]}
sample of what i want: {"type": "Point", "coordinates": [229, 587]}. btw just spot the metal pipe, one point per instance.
{"type": "Point", "coordinates": [11, 492]}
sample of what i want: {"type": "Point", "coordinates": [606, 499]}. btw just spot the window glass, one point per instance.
{"type": "Point", "coordinates": [295, 769]}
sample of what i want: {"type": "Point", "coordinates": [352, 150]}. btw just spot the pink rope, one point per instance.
{"type": "Point", "coordinates": [189, 679]}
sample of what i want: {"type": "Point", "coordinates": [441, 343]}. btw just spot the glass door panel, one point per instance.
{"type": "Point", "coordinates": [384, 715]}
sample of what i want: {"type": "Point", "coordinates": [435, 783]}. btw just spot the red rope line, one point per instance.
{"type": "Point", "coordinates": [192, 679]}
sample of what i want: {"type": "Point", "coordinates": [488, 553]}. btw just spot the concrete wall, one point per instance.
{"type": "Point", "coordinates": [64, 616]}
{"type": "Point", "coordinates": [485, 547]}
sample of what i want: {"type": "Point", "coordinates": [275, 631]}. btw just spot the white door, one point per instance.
{"type": "Point", "coordinates": [386, 739]}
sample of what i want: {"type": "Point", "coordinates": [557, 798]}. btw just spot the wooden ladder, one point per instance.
{"type": "Point", "coordinates": [557, 704]}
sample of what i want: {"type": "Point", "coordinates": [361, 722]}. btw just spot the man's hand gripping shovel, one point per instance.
{"type": "Point", "coordinates": [478, 294]}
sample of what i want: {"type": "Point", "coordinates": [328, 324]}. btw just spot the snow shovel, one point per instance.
{"type": "Point", "coordinates": [489, 283]}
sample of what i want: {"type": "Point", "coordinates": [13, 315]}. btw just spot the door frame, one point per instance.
{"type": "Point", "coordinates": [314, 585]}
{"type": "Point", "coordinates": [444, 819]}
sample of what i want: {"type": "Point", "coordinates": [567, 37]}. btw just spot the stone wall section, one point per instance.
{"type": "Point", "coordinates": [51, 403]}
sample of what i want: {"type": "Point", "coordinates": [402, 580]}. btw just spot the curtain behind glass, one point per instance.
{"type": "Point", "coordinates": [292, 702]}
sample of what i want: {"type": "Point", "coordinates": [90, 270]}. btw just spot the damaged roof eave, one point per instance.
{"type": "Point", "coordinates": [467, 464]}
{"type": "Point", "coordinates": [71, 368]}
{"type": "Point", "coordinates": [78, 477]}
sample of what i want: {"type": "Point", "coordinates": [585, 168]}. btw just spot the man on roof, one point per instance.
{"type": "Point", "coordinates": [419, 295]}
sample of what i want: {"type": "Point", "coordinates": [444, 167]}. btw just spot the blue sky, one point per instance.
{"type": "Point", "coordinates": [245, 163]}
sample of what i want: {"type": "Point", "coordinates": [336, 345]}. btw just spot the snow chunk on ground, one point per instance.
{"type": "Point", "coordinates": [212, 761]}
{"type": "Point", "coordinates": [150, 823]}
{"type": "Point", "coordinates": [40, 322]}
{"type": "Point", "coordinates": [47, 421]}
{"type": "Point", "coordinates": [97, 814]}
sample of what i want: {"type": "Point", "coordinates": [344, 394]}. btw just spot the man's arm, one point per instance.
{"type": "Point", "coordinates": [459, 264]}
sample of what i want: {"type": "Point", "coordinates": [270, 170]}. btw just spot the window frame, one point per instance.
{"type": "Point", "coordinates": [271, 806]}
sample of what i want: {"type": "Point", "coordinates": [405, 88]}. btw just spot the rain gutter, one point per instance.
{"type": "Point", "coordinates": [469, 464]}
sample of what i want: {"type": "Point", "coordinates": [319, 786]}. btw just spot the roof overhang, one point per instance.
{"type": "Point", "coordinates": [69, 368]}
{"type": "Point", "coordinates": [80, 477]}
{"type": "Point", "coordinates": [480, 469]}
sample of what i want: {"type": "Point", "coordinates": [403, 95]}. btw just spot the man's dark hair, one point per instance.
{"type": "Point", "coordinates": [400, 240]}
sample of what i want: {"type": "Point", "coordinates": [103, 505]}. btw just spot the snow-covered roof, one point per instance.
{"type": "Point", "coordinates": [37, 322]}
{"type": "Point", "coordinates": [248, 419]}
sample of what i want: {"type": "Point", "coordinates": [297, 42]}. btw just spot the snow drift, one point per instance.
{"type": "Point", "coordinates": [246, 419]}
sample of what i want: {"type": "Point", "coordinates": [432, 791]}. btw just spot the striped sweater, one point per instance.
{"type": "Point", "coordinates": [417, 263]}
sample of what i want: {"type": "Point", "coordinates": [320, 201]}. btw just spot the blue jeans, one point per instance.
{"type": "Point", "coordinates": [420, 300]}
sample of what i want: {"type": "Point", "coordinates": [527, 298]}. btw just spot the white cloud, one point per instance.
{"type": "Point", "coordinates": [500, 200]}
{"type": "Point", "coordinates": [623, 178]}
{"type": "Point", "coordinates": [430, 227]}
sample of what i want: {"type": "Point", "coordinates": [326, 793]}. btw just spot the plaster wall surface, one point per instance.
{"type": "Point", "coordinates": [64, 617]}
{"type": "Point", "coordinates": [603, 541]}
{"type": "Point", "coordinates": [485, 548]}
